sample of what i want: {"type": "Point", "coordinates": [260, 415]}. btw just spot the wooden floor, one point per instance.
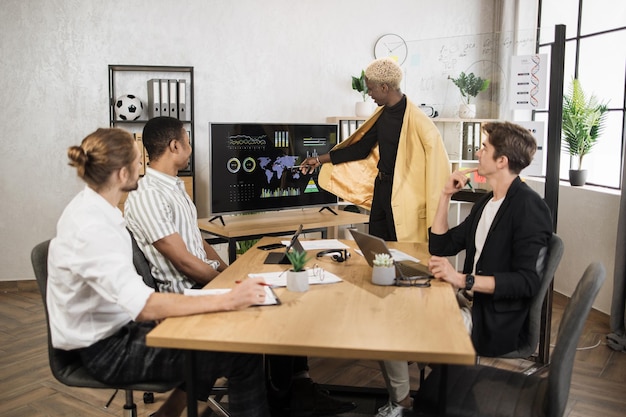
{"type": "Point", "coordinates": [27, 389]}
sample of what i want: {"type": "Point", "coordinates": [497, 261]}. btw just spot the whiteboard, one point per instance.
{"type": "Point", "coordinates": [430, 62]}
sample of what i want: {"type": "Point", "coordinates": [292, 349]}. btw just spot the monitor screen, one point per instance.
{"type": "Point", "coordinates": [255, 166]}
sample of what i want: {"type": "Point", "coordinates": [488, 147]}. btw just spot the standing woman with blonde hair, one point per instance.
{"type": "Point", "coordinates": [394, 165]}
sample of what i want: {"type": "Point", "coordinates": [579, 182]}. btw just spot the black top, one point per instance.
{"type": "Point", "coordinates": [385, 132]}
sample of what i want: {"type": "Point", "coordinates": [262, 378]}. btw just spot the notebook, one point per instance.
{"type": "Point", "coordinates": [372, 245]}
{"type": "Point", "coordinates": [281, 257]}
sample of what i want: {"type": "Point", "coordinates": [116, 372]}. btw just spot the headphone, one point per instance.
{"type": "Point", "coordinates": [341, 255]}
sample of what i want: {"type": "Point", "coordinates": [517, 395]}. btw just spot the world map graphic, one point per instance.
{"type": "Point", "coordinates": [277, 166]}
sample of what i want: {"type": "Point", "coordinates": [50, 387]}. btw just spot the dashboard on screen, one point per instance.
{"type": "Point", "coordinates": [255, 166]}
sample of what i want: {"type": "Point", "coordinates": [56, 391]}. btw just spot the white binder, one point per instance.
{"type": "Point", "coordinates": [165, 102]}
{"type": "Point", "coordinates": [173, 102]}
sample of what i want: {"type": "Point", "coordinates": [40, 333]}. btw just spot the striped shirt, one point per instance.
{"type": "Point", "coordinates": [159, 208]}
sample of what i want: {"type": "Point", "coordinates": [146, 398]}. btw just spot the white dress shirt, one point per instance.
{"type": "Point", "coordinates": [93, 287]}
{"type": "Point", "coordinates": [159, 208]}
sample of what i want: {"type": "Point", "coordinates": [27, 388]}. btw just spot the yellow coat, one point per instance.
{"type": "Point", "coordinates": [422, 168]}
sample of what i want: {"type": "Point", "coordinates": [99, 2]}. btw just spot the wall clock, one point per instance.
{"type": "Point", "coordinates": [393, 46]}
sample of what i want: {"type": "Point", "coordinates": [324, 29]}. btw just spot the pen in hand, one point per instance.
{"type": "Point", "coordinates": [471, 187]}
{"type": "Point", "coordinates": [260, 283]}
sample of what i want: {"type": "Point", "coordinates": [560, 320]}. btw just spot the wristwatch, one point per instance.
{"type": "Point", "coordinates": [469, 282]}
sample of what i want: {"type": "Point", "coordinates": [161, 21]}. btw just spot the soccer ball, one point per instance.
{"type": "Point", "coordinates": [128, 107]}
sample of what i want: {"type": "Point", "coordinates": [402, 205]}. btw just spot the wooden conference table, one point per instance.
{"type": "Point", "coordinates": [351, 319]}
{"type": "Point", "coordinates": [276, 223]}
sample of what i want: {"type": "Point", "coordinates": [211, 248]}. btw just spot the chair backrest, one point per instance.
{"type": "Point", "coordinates": [66, 366]}
{"type": "Point", "coordinates": [554, 255]}
{"type": "Point", "coordinates": [62, 363]}
{"type": "Point", "coordinates": [572, 323]}
{"type": "Point", "coordinates": [141, 264]}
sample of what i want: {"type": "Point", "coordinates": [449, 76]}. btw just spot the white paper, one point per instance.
{"type": "Point", "coordinates": [320, 244]}
{"type": "Point", "coordinates": [397, 255]}
{"type": "Point", "coordinates": [279, 279]}
{"type": "Point", "coordinates": [270, 297]}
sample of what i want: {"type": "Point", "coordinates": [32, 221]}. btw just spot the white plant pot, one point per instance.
{"type": "Point", "coordinates": [383, 275]}
{"type": "Point", "coordinates": [363, 109]}
{"type": "Point", "coordinates": [298, 281]}
{"type": "Point", "coordinates": [467, 111]}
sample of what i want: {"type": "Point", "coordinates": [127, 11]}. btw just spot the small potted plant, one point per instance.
{"type": "Point", "coordinates": [297, 276]}
{"type": "Point", "coordinates": [583, 122]}
{"type": "Point", "coordinates": [384, 270]}
{"type": "Point", "coordinates": [469, 85]}
{"type": "Point", "coordinates": [362, 108]}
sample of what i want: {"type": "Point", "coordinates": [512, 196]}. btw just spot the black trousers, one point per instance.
{"type": "Point", "coordinates": [124, 358]}
{"type": "Point", "coordinates": [280, 370]}
{"type": "Point", "coordinates": [381, 216]}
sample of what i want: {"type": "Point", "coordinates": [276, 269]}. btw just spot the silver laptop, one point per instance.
{"type": "Point", "coordinates": [281, 257]}
{"type": "Point", "coordinates": [372, 245]}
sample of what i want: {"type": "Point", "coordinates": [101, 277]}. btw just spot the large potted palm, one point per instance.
{"type": "Point", "coordinates": [583, 123]}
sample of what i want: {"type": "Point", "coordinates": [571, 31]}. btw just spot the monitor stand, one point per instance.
{"type": "Point", "coordinates": [329, 209]}
{"type": "Point", "coordinates": [221, 219]}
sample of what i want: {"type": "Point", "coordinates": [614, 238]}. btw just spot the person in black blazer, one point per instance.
{"type": "Point", "coordinates": [505, 237]}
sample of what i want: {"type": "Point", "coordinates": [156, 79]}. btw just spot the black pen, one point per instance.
{"type": "Point", "coordinates": [469, 184]}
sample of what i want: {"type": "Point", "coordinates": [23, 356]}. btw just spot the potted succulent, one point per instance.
{"type": "Point", "coordinates": [384, 270]}
{"type": "Point", "coordinates": [297, 276]}
{"type": "Point", "coordinates": [583, 122]}
{"type": "Point", "coordinates": [362, 108]}
{"type": "Point", "coordinates": [469, 85]}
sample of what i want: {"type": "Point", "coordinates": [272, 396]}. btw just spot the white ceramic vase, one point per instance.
{"type": "Point", "coordinates": [467, 111]}
{"type": "Point", "coordinates": [363, 109]}
{"type": "Point", "coordinates": [383, 275]}
{"type": "Point", "coordinates": [298, 281]}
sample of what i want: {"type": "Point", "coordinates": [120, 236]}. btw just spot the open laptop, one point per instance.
{"type": "Point", "coordinates": [372, 245]}
{"type": "Point", "coordinates": [281, 257]}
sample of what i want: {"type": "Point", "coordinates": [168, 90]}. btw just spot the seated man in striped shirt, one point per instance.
{"type": "Point", "coordinates": [163, 220]}
{"type": "Point", "coordinates": [162, 216]}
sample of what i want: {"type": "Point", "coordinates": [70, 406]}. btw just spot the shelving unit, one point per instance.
{"type": "Point", "coordinates": [134, 79]}
{"type": "Point", "coordinates": [461, 138]}
{"type": "Point", "coordinates": [346, 125]}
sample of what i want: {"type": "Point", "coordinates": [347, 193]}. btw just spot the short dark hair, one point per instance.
{"type": "Point", "coordinates": [513, 141]}
{"type": "Point", "coordinates": [159, 132]}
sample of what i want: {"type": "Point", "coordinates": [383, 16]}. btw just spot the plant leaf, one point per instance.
{"type": "Point", "coordinates": [583, 121]}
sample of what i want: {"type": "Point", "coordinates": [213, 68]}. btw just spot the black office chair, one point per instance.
{"type": "Point", "coordinates": [66, 366]}
{"type": "Point", "coordinates": [142, 265]}
{"type": "Point", "coordinates": [554, 255]}
{"type": "Point", "coordinates": [493, 392]}
{"type": "Point", "coordinates": [143, 268]}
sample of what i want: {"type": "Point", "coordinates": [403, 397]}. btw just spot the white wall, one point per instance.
{"type": "Point", "coordinates": [272, 60]}
{"type": "Point", "coordinates": [276, 60]}
{"type": "Point", "coordinates": [587, 223]}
